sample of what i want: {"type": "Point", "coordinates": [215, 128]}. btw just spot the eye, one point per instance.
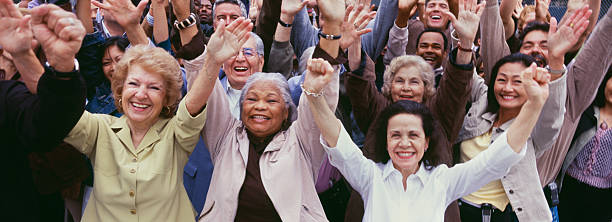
{"type": "Point", "coordinates": [106, 63]}
{"type": "Point", "coordinates": [517, 81]}
{"type": "Point", "coordinates": [155, 88]}
{"type": "Point", "coordinates": [132, 83]}
{"type": "Point", "coordinates": [233, 17]}
{"type": "Point", "coordinates": [399, 81]}
{"type": "Point", "coordinates": [414, 135]}
{"type": "Point", "coordinates": [414, 81]}
{"type": "Point", "coordinates": [251, 99]}
{"type": "Point", "coordinates": [544, 46]}
{"type": "Point", "coordinates": [272, 101]}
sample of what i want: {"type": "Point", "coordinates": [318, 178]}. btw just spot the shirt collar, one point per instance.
{"type": "Point", "coordinates": [422, 174]}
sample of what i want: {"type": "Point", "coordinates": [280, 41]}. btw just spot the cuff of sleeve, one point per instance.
{"type": "Point", "coordinates": [193, 49]}
{"type": "Point", "coordinates": [341, 148]}
{"type": "Point", "coordinates": [453, 60]}
{"type": "Point", "coordinates": [187, 119]}
{"type": "Point", "coordinates": [320, 53]}
{"type": "Point", "coordinates": [359, 71]}
{"type": "Point", "coordinates": [397, 31]}
{"type": "Point", "coordinates": [93, 38]}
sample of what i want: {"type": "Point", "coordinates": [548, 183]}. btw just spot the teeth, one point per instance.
{"type": "Point", "coordinates": [508, 97]}
{"type": "Point", "coordinates": [435, 17]}
{"type": "Point", "coordinates": [260, 117]}
{"type": "Point", "coordinates": [240, 69]}
{"type": "Point", "coordinates": [139, 105]}
{"type": "Point", "coordinates": [405, 154]}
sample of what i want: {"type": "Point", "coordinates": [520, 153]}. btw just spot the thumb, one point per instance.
{"type": "Point", "coordinates": [553, 26]}
{"type": "Point", "coordinates": [24, 24]}
{"type": "Point", "coordinates": [451, 16]}
{"type": "Point", "coordinates": [141, 6]}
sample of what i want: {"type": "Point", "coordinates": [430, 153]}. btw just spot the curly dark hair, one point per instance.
{"type": "Point", "coordinates": [432, 156]}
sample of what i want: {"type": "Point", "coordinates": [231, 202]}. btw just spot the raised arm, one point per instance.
{"type": "Point", "coordinates": [223, 44]}
{"type": "Point", "coordinates": [83, 12]}
{"type": "Point", "coordinates": [374, 42]}
{"type": "Point", "coordinates": [506, 9]}
{"type": "Point", "coordinates": [398, 34]}
{"type": "Point", "coordinates": [493, 45]}
{"type": "Point", "coordinates": [128, 16]}
{"type": "Point", "coordinates": [319, 73]}
{"type": "Point", "coordinates": [160, 28]}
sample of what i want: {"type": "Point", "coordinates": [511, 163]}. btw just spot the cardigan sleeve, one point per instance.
{"type": "Point", "coordinates": [365, 98]}
{"type": "Point", "coordinates": [494, 46]}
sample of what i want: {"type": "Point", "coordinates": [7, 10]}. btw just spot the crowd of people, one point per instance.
{"type": "Point", "coordinates": [305, 110]}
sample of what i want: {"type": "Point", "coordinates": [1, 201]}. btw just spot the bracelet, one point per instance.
{"type": "Point", "coordinates": [464, 49]}
{"type": "Point", "coordinates": [150, 19]}
{"type": "Point", "coordinates": [284, 24]}
{"type": "Point", "coordinates": [188, 22]}
{"type": "Point", "coordinates": [308, 93]}
{"type": "Point", "coordinates": [329, 37]}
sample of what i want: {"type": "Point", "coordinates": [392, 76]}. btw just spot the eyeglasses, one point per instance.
{"type": "Point", "coordinates": [247, 52]}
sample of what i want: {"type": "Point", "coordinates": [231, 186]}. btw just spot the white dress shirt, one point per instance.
{"type": "Point", "coordinates": [233, 96]}
{"type": "Point", "coordinates": [428, 191]}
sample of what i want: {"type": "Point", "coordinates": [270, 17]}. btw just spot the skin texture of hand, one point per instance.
{"type": "Point", "coordinates": [227, 41]}
{"type": "Point", "coordinates": [318, 74]}
{"type": "Point", "coordinates": [466, 25]}
{"type": "Point", "coordinates": [542, 10]}
{"type": "Point", "coordinates": [355, 21]}
{"type": "Point", "coordinates": [517, 10]}
{"type": "Point", "coordinates": [563, 37]}
{"type": "Point", "coordinates": [289, 8]}
{"type": "Point", "coordinates": [59, 33]}
{"type": "Point", "coordinates": [15, 32]}
{"type": "Point", "coordinates": [535, 82]}
{"type": "Point", "coordinates": [124, 11]}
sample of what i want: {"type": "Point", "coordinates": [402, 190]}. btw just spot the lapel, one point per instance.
{"type": "Point", "coordinates": [122, 130]}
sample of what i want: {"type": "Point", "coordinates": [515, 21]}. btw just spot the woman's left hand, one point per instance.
{"type": "Point", "coordinates": [228, 40]}
{"type": "Point", "coordinates": [318, 74]}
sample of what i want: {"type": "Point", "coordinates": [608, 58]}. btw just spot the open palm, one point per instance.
{"type": "Point", "coordinates": [466, 25]}
{"type": "Point", "coordinates": [227, 40]}
{"type": "Point", "coordinates": [15, 33]}
{"type": "Point", "coordinates": [563, 37]}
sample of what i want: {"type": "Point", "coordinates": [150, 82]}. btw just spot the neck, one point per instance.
{"type": "Point", "coordinates": [406, 172]}
{"type": "Point", "coordinates": [138, 128]}
{"type": "Point", "coordinates": [114, 28]}
{"type": "Point", "coordinates": [606, 109]}
{"type": "Point", "coordinates": [505, 115]}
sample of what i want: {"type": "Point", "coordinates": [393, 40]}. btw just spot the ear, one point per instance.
{"type": "Point", "coordinates": [260, 64]}
{"type": "Point", "coordinates": [426, 144]}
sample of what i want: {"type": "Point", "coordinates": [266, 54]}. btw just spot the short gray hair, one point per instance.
{"type": "Point", "coordinates": [259, 45]}
{"type": "Point", "coordinates": [283, 88]}
{"type": "Point", "coordinates": [235, 2]}
{"type": "Point", "coordinates": [427, 74]}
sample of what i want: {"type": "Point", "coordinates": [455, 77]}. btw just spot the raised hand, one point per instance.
{"type": "Point", "coordinates": [542, 9]}
{"type": "Point", "coordinates": [15, 32]}
{"type": "Point", "coordinates": [466, 25]}
{"type": "Point", "coordinates": [292, 7]}
{"type": "Point", "coordinates": [228, 40]}
{"type": "Point", "coordinates": [318, 74]}
{"type": "Point", "coordinates": [517, 10]}
{"type": "Point", "coordinates": [123, 11]}
{"type": "Point", "coordinates": [60, 35]}
{"type": "Point", "coordinates": [562, 37]}
{"type": "Point", "coordinates": [535, 82]}
{"type": "Point", "coordinates": [355, 21]}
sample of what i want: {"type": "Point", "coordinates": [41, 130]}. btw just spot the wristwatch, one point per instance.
{"type": "Point", "coordinates": [555, 72]}
{"type": "Point", "coordinates": [329, 37]}
{"type": "Point", "coordinates": [72, 73]}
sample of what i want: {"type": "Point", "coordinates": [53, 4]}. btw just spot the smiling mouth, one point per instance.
{"type": "Point", "coordinates": [259, 118]}
{"type": "Point", "coordinates": [406, 97]}
{"type": "Point", "coordinates": [405, 155]}
{"type": "Point", "coordinates": [508, 97]}
{"type": "Point", "coordinates": [241, 69]}
{"type": "Point", "coordinates": [436, 17]}
{"type": "Point", "coordinates": [139, 106]}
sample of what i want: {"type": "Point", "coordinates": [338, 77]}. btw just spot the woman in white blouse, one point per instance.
{"type": "Point", "coordinates": [405, 186]}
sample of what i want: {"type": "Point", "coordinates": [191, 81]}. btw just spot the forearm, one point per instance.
{"type": "Point", "coordinates": [83, 12]}
{"type": "Point", "coordinates": [506, 8]}
{"type": "Point", "coordinates": [331, 47]}
{"type": "Point", "coordinates": [354, 55]}
{"type": "Point", "coordinates": [136, 35]}
{"type": "Point", "coordinates": [283, 34]}
{"type": "Point", "coordinates": [160, 27]}
{"type": "Point", "coordinates": [182, 12]}
{"type": "Point", "coordinates": [325, 119]}
{"type": "Point", "coordinates": [396, 45]}
{"type": "Point", "coordinates": [521, 127]}
{"type": "Point", "coordinates": [202, 87]}
{"type": "Point", "coordinates": [494, 45]}
{"type": "Point", "coordinates": [30, 69]}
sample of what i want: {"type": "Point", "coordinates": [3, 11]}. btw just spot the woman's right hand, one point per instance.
{"type": "Point", "coordinates": [15, 32]}
{"type": "Point", "coordinates": [226, 41]}
{"type": "Point", "coordinates": [318, 74]}
{"type": "Point", "coordinates": [535, 82]}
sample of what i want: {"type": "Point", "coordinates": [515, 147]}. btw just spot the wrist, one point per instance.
{"type": "Point", "coordinates": [19, 55]}
{"type": "Point", "coordinates": [65, 65]}
{"type": "Point", "coordinates": [288, 19]}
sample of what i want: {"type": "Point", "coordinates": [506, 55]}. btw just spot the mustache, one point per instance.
{"type": "Point", "coordinates": [540, 59]}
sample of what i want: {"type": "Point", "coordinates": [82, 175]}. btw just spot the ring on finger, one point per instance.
{"type": "Point", "coordinates": [571, 25]}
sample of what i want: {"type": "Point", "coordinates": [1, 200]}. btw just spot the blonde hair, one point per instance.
{"type": "Point", "coordinates": [157, 61]}
{"type": "Point", "coordinates": [427, 74]}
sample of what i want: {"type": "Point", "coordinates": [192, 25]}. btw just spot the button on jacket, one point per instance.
{"type": "Point", "coordinates": [289, 164]}
{"type": "Point", "coordinates": [143, 183]}
{"type": "Point", "coordinates": [428, 192]}
{"type": "Point", "coordinates": [522, 184]}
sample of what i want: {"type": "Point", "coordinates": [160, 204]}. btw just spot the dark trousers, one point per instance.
{"type": "Point", "coordinates": [581, 202]}
{"type": "Point", "coordinates": [471, 213]}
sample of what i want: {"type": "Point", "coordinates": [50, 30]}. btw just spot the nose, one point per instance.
{"type": "Point", "coordinates": [141, 92]}
{"type": "Point", "coordinates": [406, 86]}
{"type": "Point", "coordinates": [260, 105]}
{"type": "Point", "coordinates": [404, 142]}
{"type": "Point", "coordinates": [507, 87]}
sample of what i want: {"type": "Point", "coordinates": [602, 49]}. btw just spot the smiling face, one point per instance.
{"type": "Point", "coordinates": [263, 109]}
{"type": "Point", "coordinates": [407, 84]}
{"type": "Point", "coordinates": [406, 141]}
{"type": "Point", "coordinates": [111, 57]}
{"type": "Point", "coordinates": [143, 96]}
{"type": "Point", "coordinates": [508, 88]}
{"type": "Point", "coordinates": [434, 16]}
{"type": "Point", "coordinates": [535, 44]}
{"type": "Point", "coordinates": [238, 68]}
{"type": "Point", "coordinates": [431, 48]}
